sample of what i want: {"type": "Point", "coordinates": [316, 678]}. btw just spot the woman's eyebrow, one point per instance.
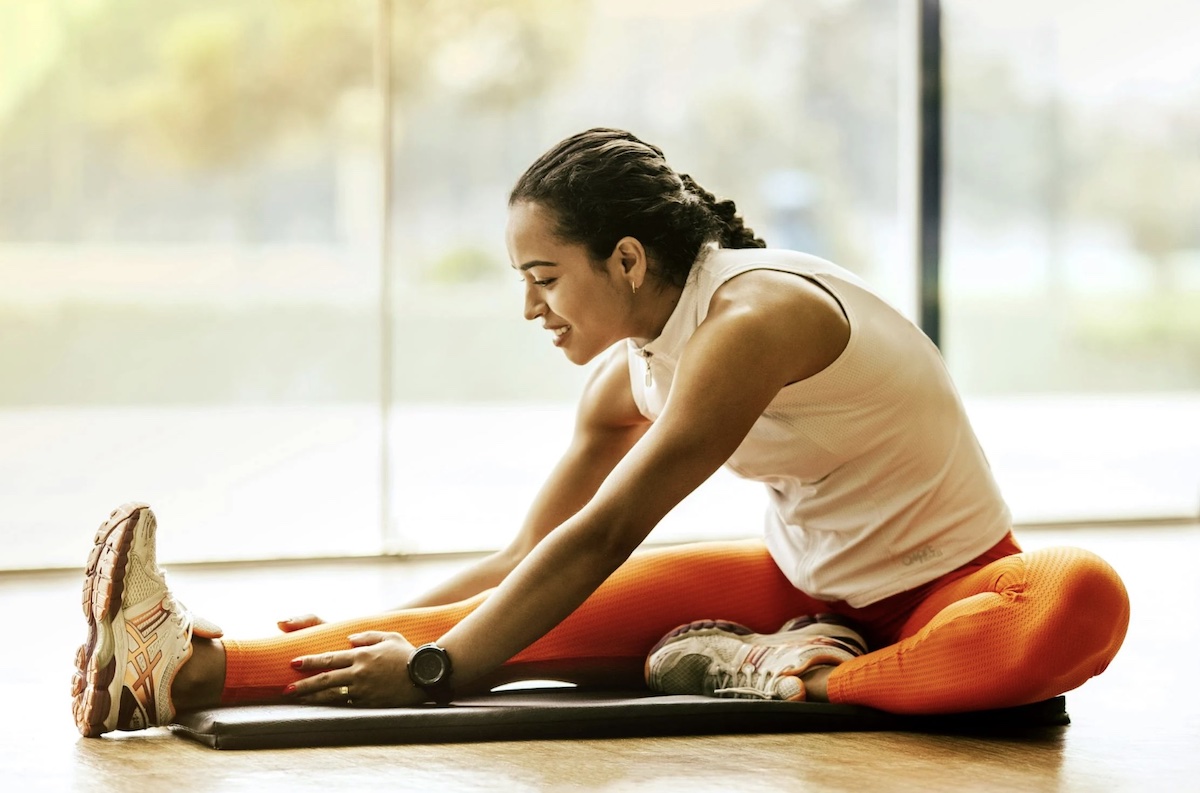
{"type": "Point", "coordinates": [536, 263]}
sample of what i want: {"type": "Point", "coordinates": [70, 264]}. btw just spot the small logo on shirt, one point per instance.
{"type": "Point", "coordinates": [922, 555]}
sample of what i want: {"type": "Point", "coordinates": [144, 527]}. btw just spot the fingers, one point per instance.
{"type": "Point", "coordinates": [326, 688]}
{"type": "Point", "coordinates": [299, 623]}
{"type": "Point", "coordinates": [369, 674]}
{"type": "Point", "coordinates": [323, 661]}
{"type": "Point", "coordinates": [367, 638]}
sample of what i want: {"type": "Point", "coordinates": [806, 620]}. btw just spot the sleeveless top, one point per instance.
{"type": "Point", "coordinates": [876, 481]}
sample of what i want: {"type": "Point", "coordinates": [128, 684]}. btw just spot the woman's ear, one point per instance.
{"type": "Point", "coordinates": [630, 257]}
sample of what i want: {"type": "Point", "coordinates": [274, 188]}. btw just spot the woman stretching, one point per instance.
{"type": "Point", "coordinates": [885, 527]}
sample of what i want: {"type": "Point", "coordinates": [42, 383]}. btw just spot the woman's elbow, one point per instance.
{"type": "Point", "coordinates": [611, 542]}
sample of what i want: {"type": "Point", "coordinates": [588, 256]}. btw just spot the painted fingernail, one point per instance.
{"type": "Point", "coordinates": [290, 688]}
{"type": "Point", "coordinates": [296, 664]}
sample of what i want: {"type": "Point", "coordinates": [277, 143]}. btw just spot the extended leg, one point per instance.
{"type": "Point", "coordinates": [607, 637]}
{"type": "Point", "coordinates": [1024, 628]}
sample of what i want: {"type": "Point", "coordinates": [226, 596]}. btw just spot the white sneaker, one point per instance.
{"type": "Point", "coordinates": [138, 634]}
{"type": "Point", "coordinates": [724, 659]}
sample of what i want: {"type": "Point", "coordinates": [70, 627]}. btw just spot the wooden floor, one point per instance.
{"type": "Point", "coordinates": [1136, 728]}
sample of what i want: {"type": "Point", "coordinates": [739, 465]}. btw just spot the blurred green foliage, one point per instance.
{"type": "Point", "coordinates": [464, 265]}
{"type": "Point", "coordinates": [234, 123]}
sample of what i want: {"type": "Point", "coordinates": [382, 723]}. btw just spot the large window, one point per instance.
{"type": "Point", "coordinates": [193, 244]}
{"type": "Point", "coordinates": [1072, 250]}
{"type": "Point", "coordinates": [189, 275]}
{"type": "Point", "coordinates": [252, 263]}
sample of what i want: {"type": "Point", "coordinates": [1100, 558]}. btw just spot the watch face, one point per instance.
{"type": "Point", "coordinates": [428, 666]}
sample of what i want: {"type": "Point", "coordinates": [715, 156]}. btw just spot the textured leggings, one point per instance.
{"type": "Point", "coordinates": [1008, 628]}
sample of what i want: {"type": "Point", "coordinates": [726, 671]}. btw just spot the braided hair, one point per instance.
{"type": "Point", "coordinates": [605, 184]}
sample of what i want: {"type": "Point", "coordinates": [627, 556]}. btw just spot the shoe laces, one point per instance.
{"type": "Point", "coordinates": [747, 682]}
{"type": "Point", "coordinates": [178, 610]}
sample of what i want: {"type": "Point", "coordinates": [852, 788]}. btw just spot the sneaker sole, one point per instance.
{"type": "Point", "coordinates": [96, 684]}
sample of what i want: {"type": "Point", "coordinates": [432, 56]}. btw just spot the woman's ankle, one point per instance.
{"type": "Point", "coordinates": [814, 684]}
{"type": "Point", "coordinates": [201, 679]}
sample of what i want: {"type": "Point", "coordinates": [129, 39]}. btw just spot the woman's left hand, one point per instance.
{"type": "Point", "coordinates": [372, 674]}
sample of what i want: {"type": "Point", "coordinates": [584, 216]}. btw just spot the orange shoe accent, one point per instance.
{"type": "Point", "coordinates": [144, 654]}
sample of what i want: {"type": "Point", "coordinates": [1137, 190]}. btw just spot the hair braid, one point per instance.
{"type": "Point", "coordinates": [734, 231]}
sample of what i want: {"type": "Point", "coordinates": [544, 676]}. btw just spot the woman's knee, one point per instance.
{"type": "Point", "coordinates": [1080, 580]}
{"type": "Point", "coordinates": [1086, 604]}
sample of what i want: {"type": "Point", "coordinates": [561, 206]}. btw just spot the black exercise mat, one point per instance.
{"type": "Point", "coordinates": [575, 713]}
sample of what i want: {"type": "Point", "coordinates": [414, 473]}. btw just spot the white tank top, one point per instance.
{"type": "Point", "coordinates": [877, 483]}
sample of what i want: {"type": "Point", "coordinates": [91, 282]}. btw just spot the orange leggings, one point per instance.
{"type": "Point", "coordinates": [1006, 629]}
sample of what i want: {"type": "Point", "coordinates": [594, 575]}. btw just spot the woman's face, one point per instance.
{"type": "Point", "coordinates": [586, 308]}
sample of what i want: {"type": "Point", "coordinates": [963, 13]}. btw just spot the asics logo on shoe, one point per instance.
{"type": "Point", "coordinates": [139, 671]}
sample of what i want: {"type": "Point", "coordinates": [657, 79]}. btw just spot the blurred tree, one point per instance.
{"type": "Point", "coordinates": [1146, 180]}
{"type": "Point", "coordinates": [140, 88]}
{"type": "Point", "coordinates": [230, 79]}
{"type": "Point", "coordinates": [225, 81]}
{"type": "Point", "coordinates": [494, 54]}
{"type": "Point", "coordinates": [997, 160]}
{"type": "Point", "coordinates": [838, 77]}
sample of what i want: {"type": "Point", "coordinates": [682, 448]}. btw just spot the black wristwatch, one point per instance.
{"type": "Point", "coordinates": [429, 669]}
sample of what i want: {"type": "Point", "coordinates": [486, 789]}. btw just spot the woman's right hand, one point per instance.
{"type": "Point", "coordinates": [298, 623]}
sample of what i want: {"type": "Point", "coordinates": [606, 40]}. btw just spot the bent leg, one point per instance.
{"type": "Point", "coordinates": [1022, 629]}
{"type": "Point", "coordinates": [609, 634]}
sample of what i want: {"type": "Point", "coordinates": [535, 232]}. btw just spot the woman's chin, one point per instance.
{"type": "Point", "coordinates": [577, 359]}
{"type": "Point", "coordinates": [578, 355]}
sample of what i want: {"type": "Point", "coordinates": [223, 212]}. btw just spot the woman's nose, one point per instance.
{"type": "Point", "coordinates": [534, 307]}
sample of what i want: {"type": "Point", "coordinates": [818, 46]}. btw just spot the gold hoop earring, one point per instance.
{"type": "Point", "coordinates": [634, 287]}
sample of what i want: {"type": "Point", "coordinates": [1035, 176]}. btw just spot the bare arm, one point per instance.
{"type": "Point", "coordinates": [757, 339]}
{"type": "Point", "coordinates": [607, 425]}
{"type": "Point", "coordinates": [761, 334]}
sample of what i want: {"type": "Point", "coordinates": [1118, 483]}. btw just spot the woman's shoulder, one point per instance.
{"type": "Point", "coordinates": [721, 265]}
{"type": "Point", "coordinates": [778, 309]}
{"type": "Point", "coordinates": [778, 297]}
{"type": "Point", "coordinates": [764, 279]}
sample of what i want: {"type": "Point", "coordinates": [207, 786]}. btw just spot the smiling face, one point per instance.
{"type": "Point", "coordinates": [588, 308]}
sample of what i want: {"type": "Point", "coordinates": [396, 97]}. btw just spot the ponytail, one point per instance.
{"type": "Point", "coordinates": [733, 232]}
